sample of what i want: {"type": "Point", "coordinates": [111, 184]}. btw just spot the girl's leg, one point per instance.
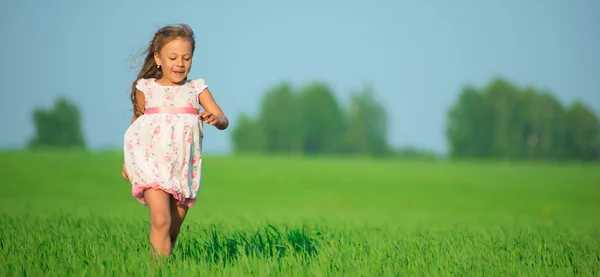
{"type": "Point", "coordinates": [160, 221]}
{"type": "Point", "coordinates": [178, 213]}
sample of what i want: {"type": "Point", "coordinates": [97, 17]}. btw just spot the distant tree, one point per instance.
{"type": "Point", "coordinates": [469, 128]}
{"type": "Point", "coordinates": [508, 118]}
{"type": "Point", "coordinates": [321, 120]}
{"type": "Point", "coordinates": [367, 131]}
{"type": "Point", "coordinates": [59, 127]}
{"type": "Point", "coordinates": [313, 122]}
{"type": "Point", "coordinates": [505, 121]}
{"type": "Point", "coordinates": [280, 120]}
{"type": "Point", "coordinates": [583, 133]}
{"type": "Point", "coordinates": [544, 133]}
{"type": "Point", "coordinates": [248, 136]}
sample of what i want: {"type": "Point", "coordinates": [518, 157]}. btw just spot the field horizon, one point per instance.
{"type": "Point", "coordinates": [69, 213]}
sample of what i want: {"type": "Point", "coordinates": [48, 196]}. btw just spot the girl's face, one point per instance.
{"type": "Point", "coordinates": [175, 60]}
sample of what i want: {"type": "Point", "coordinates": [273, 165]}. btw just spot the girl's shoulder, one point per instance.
{"type": "Point", "coordinates": [198, 84]}
{"type": "Point", "coordinates": [144, 83]}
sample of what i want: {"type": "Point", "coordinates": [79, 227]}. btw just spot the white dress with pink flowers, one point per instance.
{"type": "Point", "coordinates": [164, 150]}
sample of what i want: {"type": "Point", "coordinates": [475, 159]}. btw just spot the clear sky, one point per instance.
{"type": "Point", "coordinates": [416, 54]}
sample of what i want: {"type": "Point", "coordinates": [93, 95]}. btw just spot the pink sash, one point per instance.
{"type": "Point", "coordinates": [154, 110]}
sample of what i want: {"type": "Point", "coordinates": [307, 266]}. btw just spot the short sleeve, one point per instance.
{"type": "Point", "coordinates": [199, 85]}
{"type": "Point", "coordinates": [142, 85]}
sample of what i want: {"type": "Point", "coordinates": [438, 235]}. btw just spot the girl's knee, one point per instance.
{"type": "Point", "coordinates": [160, 221]}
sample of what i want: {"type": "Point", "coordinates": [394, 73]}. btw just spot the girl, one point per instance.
{"type": "Point", "coordinates": [163, 145]}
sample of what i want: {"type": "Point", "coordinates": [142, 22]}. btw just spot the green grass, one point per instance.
{"type": "Point", "coordinates": [71, 214]}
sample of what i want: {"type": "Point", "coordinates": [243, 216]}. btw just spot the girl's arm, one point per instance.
{"type": "Point", "coordinates": [210, 105]}
{"type": "Point", "coordinates": [139, 107]}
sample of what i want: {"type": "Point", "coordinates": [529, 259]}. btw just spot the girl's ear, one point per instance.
{"type": "Point", "coordinates": [157, 59]}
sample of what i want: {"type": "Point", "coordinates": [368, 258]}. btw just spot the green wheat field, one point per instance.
{"type": "Point", "coordinates": [71, 214]}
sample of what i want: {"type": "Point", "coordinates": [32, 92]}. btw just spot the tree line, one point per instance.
{"type": "Point", "coordinates": [310, 120]}
{"type": "Point", "coordinates": [504, 121]}
{"type": "Point", "coordinates": [497, 121]}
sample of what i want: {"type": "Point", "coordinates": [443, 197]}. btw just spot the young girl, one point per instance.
{"type": "Point", "coordinates": [163, 145]}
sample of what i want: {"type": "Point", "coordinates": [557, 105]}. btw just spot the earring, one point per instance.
{"type": "Point", "coordinates": [158, 66]}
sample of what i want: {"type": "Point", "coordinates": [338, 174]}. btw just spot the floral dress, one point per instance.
{"type": "Point", "coordinates": [164, 150]}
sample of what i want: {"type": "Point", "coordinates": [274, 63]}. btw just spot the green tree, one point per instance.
{"type": "Point", "coordinates": [59, 127]}
{"type": "Point", "coordinates": [280, 118]}
{"type": "Point", "coordinates": [322, 122]}
{"type": "Point", "coordinates": [313, 122]}
{"type": "Point", "coordinates": [367, 131]}
{"type": "Point", "coordinates": [582, 133]}
{"type": "Point", "coordinates": [503, 98]}
{"type": "Point", "coordinates": [248, 136]}
{"type": "Point", "coordinates": [508, 122]}
{"type": "Point", "coordinates": [544, 132]}
{"type": "Point", "coordinates": [468, 129]}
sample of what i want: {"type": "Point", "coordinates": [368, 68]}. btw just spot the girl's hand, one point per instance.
{"type": "Point", "coordinates": [208, 118]}
{"type": "Point", "coordinates": [213, 114]}
{"type": "Point", "coordinates": [124, 173]}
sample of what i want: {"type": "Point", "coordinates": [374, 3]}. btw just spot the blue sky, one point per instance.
{"type": "Point", "coordinates": [416, 55]}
